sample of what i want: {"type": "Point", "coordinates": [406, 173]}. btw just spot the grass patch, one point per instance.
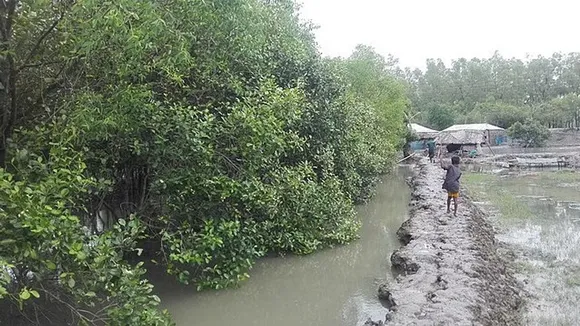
{"type": "Point", "coordinates": [567, 176]}
{"type": "Point", "coordinates": [508, 205]}
{"type": "Point", "coordinates": [486, 187]}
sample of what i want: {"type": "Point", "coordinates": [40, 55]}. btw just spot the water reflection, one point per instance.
{"type": "Point", "coordinates": [333, 287]}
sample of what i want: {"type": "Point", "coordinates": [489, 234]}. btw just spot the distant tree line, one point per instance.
{"type": "Point", "coordinates": [498, 90]}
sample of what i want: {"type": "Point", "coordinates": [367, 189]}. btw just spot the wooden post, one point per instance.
{"type": "Point", "coordinates": [491, 150]}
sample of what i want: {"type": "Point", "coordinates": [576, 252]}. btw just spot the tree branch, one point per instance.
{"type": "Point", "coordinates": [40, 64]}
{"type": "Point", "coordinates": [39, 42]}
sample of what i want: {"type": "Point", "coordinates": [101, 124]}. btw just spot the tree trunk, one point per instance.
{"type": "Point", "coordinates": [7, 77]}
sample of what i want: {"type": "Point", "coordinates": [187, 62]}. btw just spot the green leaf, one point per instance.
{"type": "Point", "coordinates": [24, 295]}
{"type": "Point", "coordinates": [51, 265]}
{"type": "Point", "coordinates": [71, 283]}
{"type": "Point", "coordinates": [81, 255]}
{"type": "Point", "coordinates": [35, 294]}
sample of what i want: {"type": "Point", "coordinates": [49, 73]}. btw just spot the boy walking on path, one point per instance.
{"type": "Point", "coordinates": [431, 149]}
{"type": "Point", "coordinates": [451, 183]}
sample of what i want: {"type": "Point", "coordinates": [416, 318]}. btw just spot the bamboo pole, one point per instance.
{"type": "Point", "coordinates": [405, 158]}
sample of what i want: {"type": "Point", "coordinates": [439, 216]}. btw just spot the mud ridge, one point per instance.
{"type": "Point", "coordinates": [452, 271]}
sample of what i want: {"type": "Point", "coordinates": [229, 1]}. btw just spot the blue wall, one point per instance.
{"type": "Point", "coordinates": [418, 145]}
{"type": "Point", "coordinates": [501, 140]}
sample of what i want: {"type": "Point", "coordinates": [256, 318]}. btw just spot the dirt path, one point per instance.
{"type": "Point", "coordinates": [451, 269]}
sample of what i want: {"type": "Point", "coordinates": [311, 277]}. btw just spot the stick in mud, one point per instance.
{"type": "Point", "coordinates": [406, 158]}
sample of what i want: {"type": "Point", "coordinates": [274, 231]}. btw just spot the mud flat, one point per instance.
{"type": "Point", "coordinates": [452, 271]}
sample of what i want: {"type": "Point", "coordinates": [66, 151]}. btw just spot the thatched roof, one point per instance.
{"type": "Point", "coordinates": [423, 132]}
{"type": "Point", "coordinates": [464, 137]}
{"type": "Point", "coordinates": [474, 126]}
{"type": "Point", "coordinates": [418, 128]}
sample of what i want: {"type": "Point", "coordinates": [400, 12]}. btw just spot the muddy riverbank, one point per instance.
{"type": "Point", "coordinates": [452, 269]}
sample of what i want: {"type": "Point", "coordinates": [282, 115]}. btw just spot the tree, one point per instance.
{"type": "Point", "coordinates": [500, 114]}
{"type": "Point", "coordinates": [378, 104]}
{"type": "Point", "coordinates": [440, 117]}
{"type": "Point", "coordinates": [31, 68]}
{"type": "Point", "coordinates": [568, 109]}
{"type": "Point", "coordinates": [48, 255]}
{"type": "Point", "coordinates": [529, 134]}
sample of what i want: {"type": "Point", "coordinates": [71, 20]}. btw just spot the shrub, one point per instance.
{"type": "Point", "coordinates": [529, 134]}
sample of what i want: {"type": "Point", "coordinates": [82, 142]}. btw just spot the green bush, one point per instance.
{"type": "Point", "coordinates": [529, 134]}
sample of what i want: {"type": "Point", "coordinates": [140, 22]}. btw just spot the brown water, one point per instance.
{"type": "Point", "coordinates": [333, 287]}
{"type": "Point", "coordinates": [540, 219]}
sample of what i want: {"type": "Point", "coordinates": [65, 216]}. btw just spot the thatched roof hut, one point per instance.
{"type": "Point", "coordinates": [470, 136]}
{"type": "Point", "coordinates": [461, 137]}
{"type": "Point", "coordinates": [423, 132]}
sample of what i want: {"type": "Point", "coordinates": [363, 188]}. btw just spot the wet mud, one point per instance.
{"type": "Point", "coordinates": [452, 271]}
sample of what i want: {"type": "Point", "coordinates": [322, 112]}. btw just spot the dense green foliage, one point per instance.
{"type": "Point", "coordinates": [55, 262]}
{"type": "Point", "coordinates": [529, 134]}
{"type": "Point", "coordinates": [201, 134]}
{"type": "Point", "coordinates": [498, 90]}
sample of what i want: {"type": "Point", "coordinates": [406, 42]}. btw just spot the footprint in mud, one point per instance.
{"type": "Point", "coordinates": [431, 297]}
{"type": "Point", "coordinates": [441, 283]}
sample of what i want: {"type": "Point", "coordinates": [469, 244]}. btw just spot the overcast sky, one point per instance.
{"type": "Point", "coordinates": [414, 30]}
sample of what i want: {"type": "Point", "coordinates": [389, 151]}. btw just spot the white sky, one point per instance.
{"type": "Point", "coordinates": [414, 30]}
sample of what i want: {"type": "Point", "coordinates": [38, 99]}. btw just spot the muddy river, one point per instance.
{"type": "Point", "coordinates": [539, 214]}
{"type": "Point", "coordinates": [333, 287]}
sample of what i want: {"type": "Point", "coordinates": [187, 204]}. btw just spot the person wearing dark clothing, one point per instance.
{"type": "Point", "coordinates": [431, 149]}
{"type": "Point", "coordinates": [451, 183]}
